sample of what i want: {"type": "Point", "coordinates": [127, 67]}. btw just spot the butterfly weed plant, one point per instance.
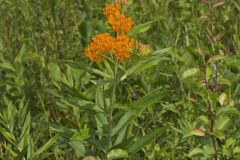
{"type": "Point", "coordinates": [124, 79]}
{"type": "Point", "coordinates": [114, 52]}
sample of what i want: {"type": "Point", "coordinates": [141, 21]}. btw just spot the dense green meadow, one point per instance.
{"type": "Point", "coordinates": [176, 97]}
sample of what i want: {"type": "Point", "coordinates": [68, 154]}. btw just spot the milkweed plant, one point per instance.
{"type": "Point", "coordinates": [119, 79]}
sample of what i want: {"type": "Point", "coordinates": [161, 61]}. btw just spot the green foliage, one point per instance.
{"type": "Point", "coordinates": [181, 101]}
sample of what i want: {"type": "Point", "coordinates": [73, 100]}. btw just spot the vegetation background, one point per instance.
{"type": "Point", "coordinates": [181, 101]}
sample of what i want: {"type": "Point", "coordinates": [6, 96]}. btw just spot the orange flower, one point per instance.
{"type": "Point", "coordinates": [100, 46]}
{"type": "Point", "coordinates": [122, 47]}
{"type": "Point", "coordinates": [119, 22]}
{"type": "Point", "coordinates": [112, 9]}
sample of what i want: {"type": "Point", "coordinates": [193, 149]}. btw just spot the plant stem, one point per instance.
{"type": "Point", "coordinates": [211, 117]}
{"type": "Point", "coordinates": [110, 109]}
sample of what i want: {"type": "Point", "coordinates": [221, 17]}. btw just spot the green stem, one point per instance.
{"type": "Point", "coordinates": [110, 109]}
{"type": "Point", "coordinates": [211, 128]}
{"type": "Point", "coordinates": [211, 113]}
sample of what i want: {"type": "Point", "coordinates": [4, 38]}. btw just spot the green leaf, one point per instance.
{"type": "Point", "coordinates": [125, 120]}
{"type": "Point", "coordinates": [78, 147]}
{"type": "Point", "coordinates": [86, 67]}
{"type": "Point", "coordinates": [222, 122]}
{"type": "Point", "coordinates": [142, 27]}
{"type": "Point", "coordinates": [143, 64]}
{"type": "Point", "coordinates": [208, 151]}
{"type": "Point", "coordinates": [216, 58]}
{"type": "Point", "coordinates": [44, 148]}
{"type": "Point", "coordinates": [89, 158]}
{"type": "Point", "coordinates": [74, 92]}
{"type": "Point", "coordinates": [138, 106]}
{"type": "Point", "coordinates": [54, 71]}
{"type": "Point", "coordinates": [227, 111]}
{"type": "Point", "coordinates": [21, 155]}
{"type": "Point", "coordinates": [219, 134]}
{"type": "Point", "coordinates": [194, 152]}
{"type": "Point", "coordinates": [142, 142]}
{"type": "Point", "coordinates": [222, 98]}
{"type": "Point", "coordinates": [229, 142]}
{"type": "Point", "coordinates": [153, 97]}
{"type": "Point", "coordinates": [117, 153]}
{"type": "Point", "coordinates": [6, 65]}
{"type": "Point", "coordinates": [108, 67]}
{"type": "Point", "coordinates": [8, 135]}
{"type": "Point", "coordinates": [81, 135]}
{"type": "Point", "coordinates": [198, 132]}
{"type": "Point", "coordinates": [190, 72]}
{"type": "Point", "coordinates": [36, 58]}
{"type": "Point", "coordinates": [236, 150]}
{"type": "Point", "coordinates": [99, 99]}
{"type": "Point", "coordinates": [161, 51]}
{"type": "Point", "coordinates": [102, 145]}
{"type": "Point", "coordinates": [25, 133]}
{"type": "Point", "coordinates": [23, 50]}
{"type": "Point", "coordinates": [203, 119]}
{"type": "Point", "coordinates": [61, 130]}
{"type": "Point", "coordinates": [8, 149]}
{"type": "Point", "coordinates": [121, 136]}
{"type": "Point", "coordinates": [209, 72]}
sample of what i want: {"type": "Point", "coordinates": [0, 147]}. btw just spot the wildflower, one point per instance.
{"type": "Point", "coordinates": [122, 47]}
{"type": "Point", "coordinates": [119, 22]}
{"type": "Point", "coordinates": [143, 49]}
{"type": "Point", "coordinates": [112, 9]}
{"type": "Point", "coordinates": [99, 47]}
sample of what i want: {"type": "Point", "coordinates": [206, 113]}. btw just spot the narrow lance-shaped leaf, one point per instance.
{"type": "Point", "coordinates": [25, 133]}
{"type": "Point", "coordinates": [142, 27]}
{"type": "Point", "coordinates": [21, 155]}
{"type": "Point", "coordinates": [144, 64]}
{"type": "Point", "coordinates": [87, 68]}
{"type": "Point", "coordinates": [190, 72]}
{"type": "Point", "coordinates": [137, 108]}
{"type": "Point", "coordinates": [74, 92]}
{"type": "Point", "coordinates": [195, 151]}
{"type": "Point", "coordinates": [47, 145]}
{"type": "Point", "coordinates": [117, 153]}
{"type": "Point", "coordinates": [142, 142]}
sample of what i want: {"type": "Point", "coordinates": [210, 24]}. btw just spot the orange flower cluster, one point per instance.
{"type": "Point", "coordinates": [119, 22]}
{"type": "Point", "coordinates": [100, 46]}
{"type": "Point", "coordinates": [112, 9]}
{"type": "Point", "coordinates": [120, 46]}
